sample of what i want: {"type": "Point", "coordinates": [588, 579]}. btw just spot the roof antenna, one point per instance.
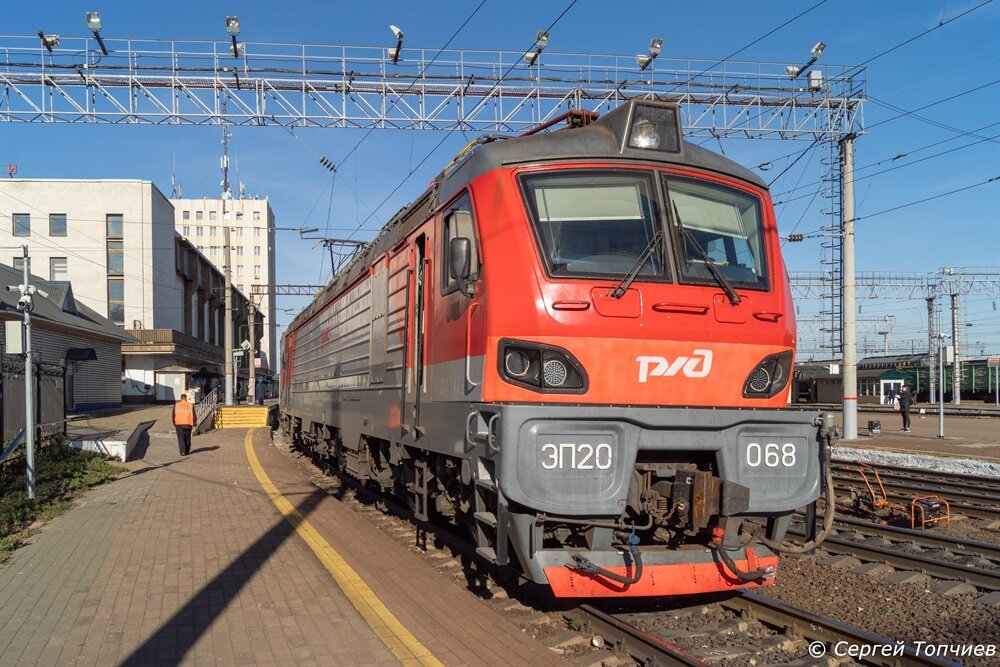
{"type": "Point", "coordinates": [242, 186]}
{"type": "Point", "coordinates": [176, 189]}
{"type": "Point", "coordinates": [226, 192]}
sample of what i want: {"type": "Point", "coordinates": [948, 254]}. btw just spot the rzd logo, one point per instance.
{"type": "Point", "coordinates": [689, 366]}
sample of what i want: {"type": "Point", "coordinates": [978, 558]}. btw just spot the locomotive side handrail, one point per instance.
{"type": "Point", "coordinates": [468, 346]}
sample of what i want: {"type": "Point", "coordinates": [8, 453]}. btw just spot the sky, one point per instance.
{"type": "Point", "coordinates": [948, 77]}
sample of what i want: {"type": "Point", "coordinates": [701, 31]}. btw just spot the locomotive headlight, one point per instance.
{"type": "Point", "coordinates": [555, 373]}
{"type": "Point", "coordinates": [769, 376]}
{"type": "Point", "coordinates": [517, 363]}
{"type": "Point", "coordinates": [654, 126]}
{"type": "Point", "coordinates": [644, 135]}
{"type": "Point", "coordinates": [541, 368]}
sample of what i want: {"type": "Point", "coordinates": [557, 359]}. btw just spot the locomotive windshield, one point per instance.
{"type": "Point", "coordinates": [721, 225]}
{"type": "Point", "coordinates": [594, 223]}
{"type": "Point", "coordinates": [598, 224]}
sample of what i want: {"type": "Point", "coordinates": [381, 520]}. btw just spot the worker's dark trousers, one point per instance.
{"type": "Point", "coordinates": [184, 439]}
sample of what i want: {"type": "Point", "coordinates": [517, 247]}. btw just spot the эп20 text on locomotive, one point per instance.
{"type": "Point", "coordinates": [577, 343]}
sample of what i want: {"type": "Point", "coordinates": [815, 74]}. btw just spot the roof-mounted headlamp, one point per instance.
{"type": "Point", "coordinates": [655, 127]}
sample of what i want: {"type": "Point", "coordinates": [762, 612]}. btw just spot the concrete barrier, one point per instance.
{"type": "Point", "coordinates": [110, 444]}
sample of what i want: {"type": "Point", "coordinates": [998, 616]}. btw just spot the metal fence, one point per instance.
{"type": "Point", "coordinates": [50, 397]}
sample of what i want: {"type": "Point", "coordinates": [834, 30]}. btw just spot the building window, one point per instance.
{"type": "Point", "coordinates": [186, 215]}
{"type": "Point", "coordinates": [256, 232]}
{"type": "Point", "coordinates": [186, 230]}
{"type": "Point", "coordinates": [239, 270]}
{"type": "Point", "coordinates": [19, 263]}
{"type": "Point", "coordinates": [199, 230]}
{"type": "Point", "coordinates": [212, 251]}
{"type": "Point", "coordinates": [256, 215]}
{"type": "Point", "coordinates": [116, 226]}
{"type": "Point", "coordinates": [211, 231]}
{"type": "Point", "coordinates": [256, 271]}
{"type": "Point", "coordinates": [22, 224]}
{"type": "Point", "coordinates": [256, 251]}
{"type": "Point", "coordinates": [199, 215]}
{"type": "Point", "coordinates": [211, 215]}
{"type": "Point", "coordinates": [116, 257]}
{"type": "Point", "coordinates": [116, 300]}
{"type": "Point", "coordinates": [57, 224]}
{"type": "Point", "coordinates": [239, 251]}
{"type": "Point", "coordinates": [239, 232]}
{"type": "Point", "coordinates": [57, 268]}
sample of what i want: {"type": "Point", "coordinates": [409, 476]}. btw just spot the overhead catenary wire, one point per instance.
{"type": "Point", "coordinates": [747, 46]}
{"type": "Point", "coordinates": [912, 203]}
{"type": "Point", "coordinates": [451, 131]}
{"type": "Point", "coordinates": [892, 169]}
{"type": "Point", "coordinates": [861, 65]}
{"type": "Point", "coordinates": [901, 113]}
{"type": "Point", "coordinates": [940, 24]}
{"type": "Point", "coordinates": [901, 155]}
{"type": "Point", "coordinates": [413, 82]}
{"type": "Point", "coordinates": [100, 244]}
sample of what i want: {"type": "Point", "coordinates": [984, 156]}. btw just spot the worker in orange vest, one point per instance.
{"type": "Point", "coordinates": [184, 423]}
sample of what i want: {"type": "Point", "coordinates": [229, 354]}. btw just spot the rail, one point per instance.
{"type": "Point", "coordinates": [941, 556]}
{"type": "Point", "coordinates": [627, 639]}
{"type": "Point", "coordinates": [205, 408]}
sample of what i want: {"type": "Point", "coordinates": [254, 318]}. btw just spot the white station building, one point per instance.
{"type": "Point", "coordinates": [115, 242]}
{"type": "Point", "coordinates": [251, 221]}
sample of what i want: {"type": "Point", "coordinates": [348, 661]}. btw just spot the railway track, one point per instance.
{"type": "Point", "coordinates": [745, 625]}
{"type": "Point", "coordinates": [749, 624]}
{"type": "Point", "coordinates": [942, 556]}
{"type": "Point", "coordinates": [966, 494]}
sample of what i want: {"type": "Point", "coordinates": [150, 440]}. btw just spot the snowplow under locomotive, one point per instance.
{"type": "Point", "coordinates": [578, 343]}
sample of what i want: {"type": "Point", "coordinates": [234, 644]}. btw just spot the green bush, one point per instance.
{"type": "Point", "coordinates": [60, 472]}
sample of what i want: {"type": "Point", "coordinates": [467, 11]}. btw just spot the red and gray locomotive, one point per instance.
{"type": "Point", "coordinates": [577, 343]}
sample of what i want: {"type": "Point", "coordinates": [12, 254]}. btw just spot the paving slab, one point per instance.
{"type": "Point", "coordinates": [186, 560]}
{"type": "Point", "coordinates": [445, 617]}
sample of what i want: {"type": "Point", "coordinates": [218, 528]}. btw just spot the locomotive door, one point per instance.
{"type": "Point", "coordinates": [415, 374]}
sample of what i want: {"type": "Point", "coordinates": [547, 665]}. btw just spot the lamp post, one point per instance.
{"type": "Point", "coordinates": [25, 304]}
{"type": "Point", "coordinates": [48, 41]}
{"type": "Point", "coordinates": [816, 51]}
{"type": "Point", "coordinates": [233, 28]}
{"type": "Point", "coordinates": [541, 41]}
{"type": "Point", "coordinates": [94, 25]}
{"type": "Point", "coordinates": [655, 46]}
{"type": "Point", "coordinates": [394, 53]}
{"type": "Point", "coordinates": [941, 355]}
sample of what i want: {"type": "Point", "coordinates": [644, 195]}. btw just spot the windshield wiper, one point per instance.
{"type": "Point", "coordinates": [629, 278]}
{"type": "Point", "coordinates": [713, 268]}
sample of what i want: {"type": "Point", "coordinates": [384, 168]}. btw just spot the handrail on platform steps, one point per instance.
{"type": "Point", "coordinates": [205, 408]}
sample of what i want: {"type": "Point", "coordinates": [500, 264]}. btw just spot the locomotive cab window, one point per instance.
{"type": "Point", "coordinates": [718, 226]}
{"type": "Point", "coordinates": [458, 223]}
{"type": "Point", "coordinates": [595, 223]}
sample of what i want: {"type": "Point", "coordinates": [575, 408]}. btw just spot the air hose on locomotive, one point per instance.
{"type": "Point", "coordinates": [827, 435]}
{"type": "Point", "coordinates": [589, 567]}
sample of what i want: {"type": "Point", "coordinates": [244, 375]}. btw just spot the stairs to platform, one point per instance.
{"type": "Point", "coordinates": [241, 417]}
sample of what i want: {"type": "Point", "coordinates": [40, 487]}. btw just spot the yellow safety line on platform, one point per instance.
{"type": "Point", "coordinates": [383, 623]}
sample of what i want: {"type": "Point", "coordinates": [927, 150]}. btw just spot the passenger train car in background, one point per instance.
{"type": "Point", "coordinates": [578, 344]}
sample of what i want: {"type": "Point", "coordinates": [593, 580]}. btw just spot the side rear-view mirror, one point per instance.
{"type": "Point", "coordinates": [460, 258]}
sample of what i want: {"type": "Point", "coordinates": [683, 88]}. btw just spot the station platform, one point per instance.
{"type": "Point", "coordinates": [972, 437]}
{"type": "Point", "coordinates": [231, 556]}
